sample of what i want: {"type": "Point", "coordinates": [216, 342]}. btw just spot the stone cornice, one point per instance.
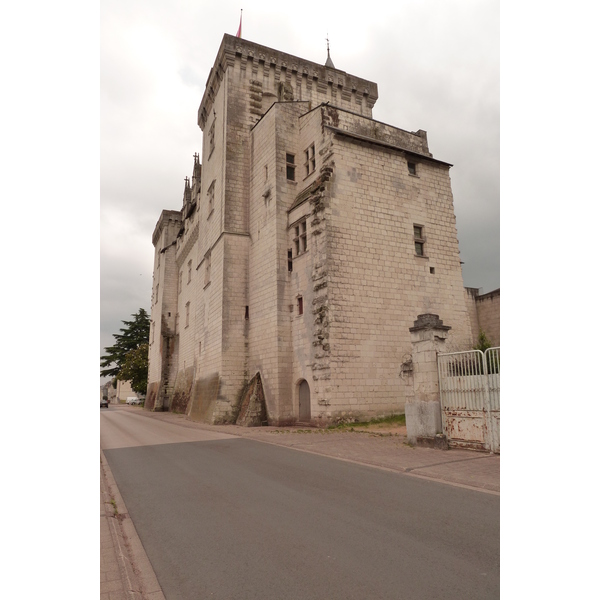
{"type": "Point", "coordinates": [285, 65]}
{"type": "Point", "coordinates": [165, 217]}
{"type": "Point", "coordinates": [370, 140]}
{"type": "Point", "coordinates": [184, 251]}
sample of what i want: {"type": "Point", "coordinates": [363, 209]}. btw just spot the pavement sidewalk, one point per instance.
{"type": "Point", "coordinates": [467, 468]}
{"type": "Point", "coordinates": [125, 571]}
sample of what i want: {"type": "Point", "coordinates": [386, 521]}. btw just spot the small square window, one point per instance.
{"type": "Point", "coordinates": [412, 168]}
{"type": "Point", "coordinates": [290, 167]}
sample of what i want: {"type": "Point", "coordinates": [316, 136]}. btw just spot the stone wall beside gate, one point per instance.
{"type": "Point", "coordinates": [469, 387]}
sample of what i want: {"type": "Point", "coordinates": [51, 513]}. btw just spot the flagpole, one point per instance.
{"type": "Point", "coordinates": [239, 33]}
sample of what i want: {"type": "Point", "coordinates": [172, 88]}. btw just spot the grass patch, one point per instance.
{"type": "Point", "coordinates": [391, 420]}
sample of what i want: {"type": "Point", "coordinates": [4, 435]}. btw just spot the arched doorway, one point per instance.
{"type": "Point", "coordinates": [303, 401]}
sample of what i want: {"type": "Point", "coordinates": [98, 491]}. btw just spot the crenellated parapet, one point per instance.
{"type": "Point", "coordinates": [284, 77]}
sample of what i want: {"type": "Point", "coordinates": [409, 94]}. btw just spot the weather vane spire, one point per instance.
{"type": "Point", "coordinates": [329, 62]}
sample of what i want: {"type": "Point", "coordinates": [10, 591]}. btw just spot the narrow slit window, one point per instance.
{"type": "Point", "coordinates": [300, 305]}
{"type": "Point", "coordinates": [310, 161]}
{"type": "Point", "coordinates": [419, 239]}
{"type": "Point", "coordinates": [290, 167]}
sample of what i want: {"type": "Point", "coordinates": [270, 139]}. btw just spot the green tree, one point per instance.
{"type": "Point", "coordinates": [135, 334]}
{"type": "Point", "coordinates": [482, 342]}
{"type": "Point", "coordinates": [135, 369]}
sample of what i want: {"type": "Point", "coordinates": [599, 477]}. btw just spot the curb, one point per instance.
{"type": "Point", "coordinates": [419, 472]}
{"type": "Point", "coordinates": [137, 574]}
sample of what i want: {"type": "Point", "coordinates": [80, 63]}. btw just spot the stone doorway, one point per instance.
{"type": "Point", "coordinates": [303, 401]}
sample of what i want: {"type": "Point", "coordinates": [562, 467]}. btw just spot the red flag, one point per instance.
{"type": "Point", "coordinates": [239, 33]}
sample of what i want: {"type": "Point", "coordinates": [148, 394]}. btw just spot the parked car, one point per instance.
{"type": "Point", "coordinates": [103, 403]}
{"type": "Point", "coordinates": [134, 400]}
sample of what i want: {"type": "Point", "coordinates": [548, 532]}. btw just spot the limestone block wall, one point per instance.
{"type": "Point", "coordinates": [266, 186]}
{"type": "Point", "coordinates": [488, 312]}
{"type": "Point", "coordinates": [234, 324]}
{"type": "Point", "coordinates": [336, 117]}
{"type": "Point", "coordinates": [484, 313]}
{"type": "Point", "coordinates": [271, 75]}
{"type": "Point", "coordinates": [377, 283]}
{"type": "Point", "coordinates": [471, 303]}
{"type": "Point", "coordinates": [164, 301]}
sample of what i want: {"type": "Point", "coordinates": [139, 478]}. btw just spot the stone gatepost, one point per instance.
{"type": "Point", "coordinates": [423, 411]}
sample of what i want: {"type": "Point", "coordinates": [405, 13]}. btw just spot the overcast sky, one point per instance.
{"type": "Point", "coordinates": [436, 64]}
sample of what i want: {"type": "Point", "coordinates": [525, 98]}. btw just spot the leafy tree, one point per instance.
{"type": "Point", "coordinates": [135, 369]}
{"type": "Point", "coordinates": [482, 342]}
{"type": "Point", "coordinates": [135, 334]}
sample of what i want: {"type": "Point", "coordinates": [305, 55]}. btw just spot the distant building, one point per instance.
{"type": "Point", "coordinates": [119, 394]}
{"type": "Point", "coordinates": [310, 238]}
{"type": "Point", "coordinates": [484, 310]}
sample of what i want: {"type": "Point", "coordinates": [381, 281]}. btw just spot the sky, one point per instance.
{"type": "Point", "coordinates": [98, 122]}
{"type": "Point", "coordinates": [436, 64]}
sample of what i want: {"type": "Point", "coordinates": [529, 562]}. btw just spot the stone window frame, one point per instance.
{"type": "Point", "coordinates": [207, 268]}
{"type": "Point", "coordinates": [412, 168]}
{"type": "Point", "coordinates": [300, 238]}
{"type": "Point", "coordinates": [300, 305]}
{"type": "Point", "coordinates": [310, 162]}
{"type": "Point", "coordinates": [290, 166]}
{"type": "Point", "coordinates": [419, 240]}
{"type": "Point", "coordinates": [211, 139]}
{"type": "Point", "coordinates": [211, 198]}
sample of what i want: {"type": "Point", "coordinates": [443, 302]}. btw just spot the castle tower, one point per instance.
{"type": "Point", "coordinates": [310, 239]}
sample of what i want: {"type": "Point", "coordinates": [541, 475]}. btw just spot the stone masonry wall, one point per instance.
{"type": "Point", "coordinates": [164, 303]}
{"type": "Point", "coordinates": [471, 302]}
{"type": "Point", "coordinates": [377, 283]}
{"type": "Point", "coordinates": [488, 312]}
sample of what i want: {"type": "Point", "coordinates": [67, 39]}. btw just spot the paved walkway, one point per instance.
{"type": "Point", "coordinates": [125, 571]}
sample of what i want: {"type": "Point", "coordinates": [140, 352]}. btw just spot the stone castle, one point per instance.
{"type": "Point", "coordinates": [310, 238]}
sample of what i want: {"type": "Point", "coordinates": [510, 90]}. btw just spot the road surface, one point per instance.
{"type": "Point", "coordinates": [223, 517]}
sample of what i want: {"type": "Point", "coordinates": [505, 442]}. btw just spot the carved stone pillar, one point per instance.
{"type": "Point", "coordinates": [423, 411]}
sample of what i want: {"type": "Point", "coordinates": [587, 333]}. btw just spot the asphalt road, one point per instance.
{"type": "Point", "coordinates": [229, 518]}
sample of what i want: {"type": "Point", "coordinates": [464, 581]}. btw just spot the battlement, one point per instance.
{"type": "Point", "coordinates": [285, 77]}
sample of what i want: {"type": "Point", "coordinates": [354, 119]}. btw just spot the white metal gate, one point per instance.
{"type": "Point", "coordinates": [470, 398]}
